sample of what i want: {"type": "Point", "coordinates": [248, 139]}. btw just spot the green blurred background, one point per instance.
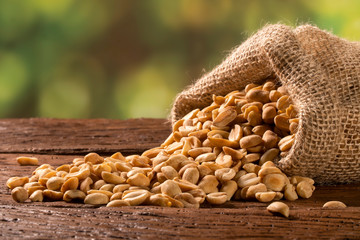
{"type": "Point", "coordinates": [126, 59]}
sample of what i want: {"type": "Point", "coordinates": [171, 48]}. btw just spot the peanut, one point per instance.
{"type": "Point", "coordinates": [213, 166]}
{"type": "Point", "coordinates": [152, 152]}
{"type": "Point", "coordinates": [270, 139]}
{"type": "Point", "coordinates": [175, 161]}
{"type": "Point", "coordinates": [279, 207]}
{"type": "Point", "coordinates": [217, 198]}
{"type": "Point", "coordinates": [107, 193]}
{"type": "Point", "coordinates": [34, 178]}
{"type": "Point", "coordinates": [93, 158]}
{"type": "Point", "coordinates": [85, 184]}
{"type": "Point", "coordinates": [297, 179]}
{"type": "Point", "coordinates": [286, 143]}
{"type": "Point", "coordinates": [251, 157]}
{"type": "Point", "coordinates": [198, 151]}
{"type": "Point", "coordinates": [37, 196]}
{"type": "Point", "coordinates": [170, 188]}
{"type": "Point", "coordinates": [31, 184]}
{"type": "Point", "coordinates": [268, 170]}
{"type": "Point", "coordinates": [250, 141]}
{"type": "Point", "coordinates": [224, 161]}
{"type": "Point", "coordinates": [265, 196]}
{"type": "Point", "coordinates": [55, 183]}
{"type": "Point", "coordinates": [236, 133]}
{"type": "Point", "coordinates": [255, 95]}
{"type": "Point", "coordinates": [220, 142]}
{"type": "Point", "coordinates": [250, 86]}
{"type": "Point", "coordinates": [137, 197]}
{"type": "Point", "coordinates": [191, 175]}
{"type": "Point", "coordinates": [282, 122]}
{"type": "Point", "coordinates": [252, 190]}
{"type": "Point", "coordinates": [278, 196]}
{"type": "Point", "coordinates": [235, 154]}
{"type": "Point", "coordinates": [251, 168]}
{"type": "Point", "coordinates": [138, 179]}
{"type": "Point", "coordinates": [107, 187]}
{"type": "Point", "coordinates": [243, 192]}
{"type": "Point", "coordinates": [187, 200]}
{"type": "Point", "coordinates": [112, 178]}
{"type": "Point", "coordinates": [174, 202]}
{"type": "Point", "coordinates": [247, 129]}
{"type": "Point", "coordinates": [269, 155]}
{"type": "Point", "coordinates": [81, 175]}
{"type": "Point", "coordinates": [115, 196]}
{"type": "Point", "coordinates": [138, 161]}
{"type": "Point", "coordinates": [205, 157]}
{"type": "Point", "coordinates": [334, 204]}
{"type": "Point", "coordinates": [283, 103]}
{"type": "Point", "coordinates": [118, 156]}
{"type": "Point", "coordinates": [275, 182]}
{"type": "Point", "coordinates": [23, 161]}
{"type": "Point", "coordinates": [159, 200]}
{"type": "Point", "coordinates": [268, 114]}
{"type": "Point", "coordinates": [35, 188]}
{"type": "Point", "coordinates": [186, 166]}
{"type": "Point", "coordinates": [254, 118]}
{"type": "Point", "coordinates": [268, 86]}
{"type": "Point", "coordinates": [274, 95]}
{"type": "Point", "coordinates": [248, 180]}
{"type": "Point", "coordinates": [304, 189]}
{"type": "Point", "coordinates": [198, 194]}
{"type": "Point", "coordinates": [19, 194]}
{"type": "Point", "coordinates": [225, 117]}
{"type": "Point", "coordinates": [120, 188]}
{"type": "Point", "coordinates": [52, 195]}
{"type": "Point", "coordinates": [14, 182]}
{"type": "Point", "coordinates": [71, 195]}
{"type": "Point", "coordinates": [98, 184]}
{"type": "Point", "coordinates": [225, 174]}
{"type": "Point", "coordinates": [204, 170]}
{"type": "Point", "coordinates": [293, 127]}
{"type": "Point", "coordinates": [118, 203]}
{"type": "Point", "coordinates": [123, 166]}
{"type": "Point", "coordinates": [96, 199]}
{"type": "Point", "coordinates": [209, 184]}
{"type": "Point", "coordinates": [261, 129]}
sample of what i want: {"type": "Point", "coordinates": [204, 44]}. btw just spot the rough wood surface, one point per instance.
{"type": "Point", "coordinates": [61, 136]}
{"type": "Point", "coordinates": [59, 141]}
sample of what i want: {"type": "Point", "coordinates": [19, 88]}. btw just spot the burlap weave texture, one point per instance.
{"type": "Point", "coordinates": [322, 75]}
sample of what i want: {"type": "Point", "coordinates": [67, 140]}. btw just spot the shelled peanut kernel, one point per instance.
{"type": "Point", "coordinates": [27, 161]}
{"type": "Point", "coordinates": [222, 152]}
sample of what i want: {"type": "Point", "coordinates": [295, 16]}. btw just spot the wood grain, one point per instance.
{"type": "Point", "coordinates": [64, 136]}
{"type": "Point", "coordinates": [59, 220]}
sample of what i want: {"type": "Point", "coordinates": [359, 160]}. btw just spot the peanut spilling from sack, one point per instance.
{"type": "Point", "coordinates": [225, 151]}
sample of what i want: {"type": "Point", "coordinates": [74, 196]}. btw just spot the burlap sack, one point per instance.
{"type": "Point", "coordinates": [322, 75]}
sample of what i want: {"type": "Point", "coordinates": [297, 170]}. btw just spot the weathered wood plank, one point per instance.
{"type": "Point", "coordinates": [74, 136]}
{"type": "Point", "coordinates": [158, 223]}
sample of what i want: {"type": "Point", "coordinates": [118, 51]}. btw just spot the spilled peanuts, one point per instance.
{"type": "Point", "coordinates": [223, 152]}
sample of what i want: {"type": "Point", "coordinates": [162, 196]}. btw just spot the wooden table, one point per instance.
{"type": "Point", "coordinates": [56, 142]}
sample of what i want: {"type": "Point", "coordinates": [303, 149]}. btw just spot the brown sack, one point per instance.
{"type": "Point", "coordinates": [322, 75]}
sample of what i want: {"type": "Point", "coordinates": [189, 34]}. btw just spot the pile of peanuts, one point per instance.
{"type": "Point", "coordinates": [222, 152]}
